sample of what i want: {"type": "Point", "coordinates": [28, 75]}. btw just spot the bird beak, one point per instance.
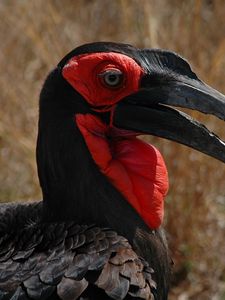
{"type": "Point", "coordinates": [149, 111]}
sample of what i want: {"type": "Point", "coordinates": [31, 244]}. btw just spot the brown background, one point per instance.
{"type": "Point", "coordinates": [36, 34]}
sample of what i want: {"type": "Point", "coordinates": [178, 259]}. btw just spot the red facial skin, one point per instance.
{"type": "Point", "coordinates": [134, 167]}
{"type": "Point", "coordinates": [83, 71]}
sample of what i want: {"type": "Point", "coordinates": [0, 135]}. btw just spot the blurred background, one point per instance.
{"type": "Point", "coordinates": [35, 35]}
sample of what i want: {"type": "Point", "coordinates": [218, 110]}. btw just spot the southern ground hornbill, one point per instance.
{"type": "Point", "coordinates": [97, 234]}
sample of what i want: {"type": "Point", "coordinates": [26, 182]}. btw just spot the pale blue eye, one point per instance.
{"type": "Point", "coordinates": [112, 78]}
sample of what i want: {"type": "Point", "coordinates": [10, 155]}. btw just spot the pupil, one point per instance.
{"type": "Point", "coordinates": [112, 78]}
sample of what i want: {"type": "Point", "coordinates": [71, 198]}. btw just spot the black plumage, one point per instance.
{"type": "Point", "coordinates": [84, 240]}
{"type": "Point", "coordinates": [42, 260]}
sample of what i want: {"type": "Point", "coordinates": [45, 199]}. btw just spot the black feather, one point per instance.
{"type": "Point", "coordinates": [46, 251]}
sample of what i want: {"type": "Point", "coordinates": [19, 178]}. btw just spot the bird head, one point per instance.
{"type": "Point", "coordinates": [108, 94]}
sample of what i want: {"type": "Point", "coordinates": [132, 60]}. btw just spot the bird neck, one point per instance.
{"type": "Point", "coordinates": [73, 186]}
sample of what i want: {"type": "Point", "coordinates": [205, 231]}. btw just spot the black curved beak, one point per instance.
{"type": "Point", "coordinates": [170, 81]}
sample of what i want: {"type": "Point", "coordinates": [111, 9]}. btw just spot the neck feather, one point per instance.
{"type": "Point", "coordinates": [72, 184]}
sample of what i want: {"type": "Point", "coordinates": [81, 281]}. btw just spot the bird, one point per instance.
{"type": "Point", "coordinates": [97, 233]}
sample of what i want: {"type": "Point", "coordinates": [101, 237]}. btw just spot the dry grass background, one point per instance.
{"type": "Point", "coordinates": [36, 34]}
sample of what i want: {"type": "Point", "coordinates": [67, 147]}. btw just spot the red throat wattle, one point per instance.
{"type": "Point", "coordinates": [134, 167]}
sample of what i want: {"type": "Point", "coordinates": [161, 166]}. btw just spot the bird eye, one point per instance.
{"type": "Point", "coordinates": [112, 78]}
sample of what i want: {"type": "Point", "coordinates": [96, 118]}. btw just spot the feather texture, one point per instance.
{"type": "Point", "coordinates": [66, 261]}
